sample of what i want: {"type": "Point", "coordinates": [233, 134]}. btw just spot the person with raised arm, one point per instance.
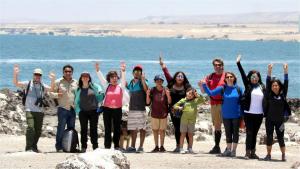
{"type": "Point", "coordinates": [276, 110]}
{"type": "Point", "coordinates": [34, 102]}
{"type": "Point", "coordinates": [177, 84]}
{"type": "Point", "coordinates": [252, 106]}
{"type": "Point", "coordinates": [116, 96]}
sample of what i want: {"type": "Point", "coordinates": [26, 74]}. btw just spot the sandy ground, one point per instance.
{"type": "Point", "coordinates": [285, 32]}
{"type": "Point", "coordinates": [12, 155]}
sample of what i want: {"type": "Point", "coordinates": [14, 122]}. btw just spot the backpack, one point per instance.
{"type": "Point", "coordinates": [70, 142]}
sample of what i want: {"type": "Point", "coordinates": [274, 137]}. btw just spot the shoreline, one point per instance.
{"type": "Point", "coordinates": [249, 32]}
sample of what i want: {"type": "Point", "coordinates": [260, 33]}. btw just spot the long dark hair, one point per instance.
{"type": "Point", "coordinates": [185, 83]}
{"type": "Point", "coordinates": [251, 72]}
{"type": "Point", "coordinates": [281, 87]}
{"type": "Point", "coordinates": [80, 83]}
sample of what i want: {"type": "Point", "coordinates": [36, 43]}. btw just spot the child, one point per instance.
{"type": "Point", "coordinates": [160, 98]}
{"type": "Point", "coordinates": [188, 106]}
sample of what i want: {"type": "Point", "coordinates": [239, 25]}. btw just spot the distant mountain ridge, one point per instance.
{"type": "Point", "coordinates": [258, 17]}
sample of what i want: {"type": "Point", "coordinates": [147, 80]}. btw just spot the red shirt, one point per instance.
{"type": "Point", "coordinates": [159, 106]}
{"type": "Point", "coordinates": [213, 81]}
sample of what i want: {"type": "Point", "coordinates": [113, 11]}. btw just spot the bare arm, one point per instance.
{"type": "Point", "coordinates": [103, 81]}
{"type": "Point", "coordinates": [123, 74]}
{"type": "Point", "coordinates": [148, 99]}
{"type": "Point", "coordinates": [15, 77]}
{"type": "Point", "coordinates": [168, 96]}
{"type": "Point", "coordinates": [165, 70]}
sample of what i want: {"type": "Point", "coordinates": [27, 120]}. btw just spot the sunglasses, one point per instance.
{"type": "Point", "coordinates": [229, 77]}
{"type": "Point", "coordinates": [180, 76]}
{"type": "Point", "coordinates": [254, 77]}
{"type": "Point", "coordinates": [218, 65]}
{"type": "Point", "coordinates": [36, 74]}
{"type": "Point", "coordinates": [68, 71]}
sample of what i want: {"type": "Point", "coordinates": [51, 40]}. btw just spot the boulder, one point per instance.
{"type": "Point", "coordinates": [97, 159]}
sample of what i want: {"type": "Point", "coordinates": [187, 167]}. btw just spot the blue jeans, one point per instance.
{"type": "Point", "coordinates": [65, 117]}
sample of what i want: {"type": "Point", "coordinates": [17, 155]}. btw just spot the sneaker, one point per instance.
{"type": "Point", "coordinates": [155, 150]}
{"type": "Point", "coordinates": [59, 150]}
{"type": "Point", "coordinates": [162, 149]}
{"type": "Point", "coordinates": [215, 150]}
{"type": "Point", "coordinates": [130, 150]}
{"type": "Point", "coordinates": [190, 150]}
{"type": "Point", "coordinates": [181, 151]}
{"type": "Point", "coordinates": [267, 158]}
{"type": "Point", "coordinates": [176, 150]}
{"type": "Point", "coordinates": [233, 153]}
{"type": "Point", "coordinates": [226, 153]}
{"type": "Point", "coordinates": [140, 150]}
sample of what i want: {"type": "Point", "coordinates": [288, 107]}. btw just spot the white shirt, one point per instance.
{"type": "Point", "coordinates": [256, 101]}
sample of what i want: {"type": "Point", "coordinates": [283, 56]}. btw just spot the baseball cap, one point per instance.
{"type": "Point", "coordinates": [38, 71]}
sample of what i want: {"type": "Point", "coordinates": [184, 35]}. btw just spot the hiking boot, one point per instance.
{"type": "Point", "coordinates": [162, 149]}
{"type": "Point", "coordinates": [247, 155]}
{"type": "Point", "coordinates": [253, 155]}
{"type": "Point", "coordinates": [59, 150]}
{"type": "Point", "coordinates": [233, 153]}
{"type": "Point", "coordinates": [283, 157]}
{"type": "Point", "coordinates": [176, 150]}
{"type": "Point", "coordinates": [215, 150]}
{"type": "Point", "coordinates": [36, 150]}
{"type": "Point", "coordinates": [226, 153]}
{"type": "Point", "coordinates": [267, 158]}
{"type": "Point", "coordinates": [130, 150]}
{"type": "Point", "coordinates": [140, 150]}
{"type": "Point", "coordinates": [155, 150]}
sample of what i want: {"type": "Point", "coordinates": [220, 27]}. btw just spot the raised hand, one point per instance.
{"type": "Point", "coordinates": [97, 66]}
{"type": "Point", "coordinates": [270, 67]}
{"type": "Point", "coordinates": [201, 82]}
{"type": "Point", "coordinates": [285, 68]}
{"type": "Point", "coordinates": [161, 62]}
{"type": "Point", "coordinates": [16, 69]}
{"type": "Point", "coordinates": [52, 75]}
{"type": "Point", "coordinates": [238, 59]}
{"type": "Point", "coordinates": [143, 76]}
{"type": "Point", "coordinates": [123, 66]}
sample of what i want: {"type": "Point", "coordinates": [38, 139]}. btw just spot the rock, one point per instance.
{"type": "Point", "coordinates": [3, 97]}
{"type": "Point", "coordinates": [204, 127]}
{"type": "Point", "coordinates": [202, 136]}
{"type": "Point", "coordinates": [98, 159]}
{"type": "Point", "coordinates": [296, 137]}
{"type": "Point", "coordinates": [296, 165]}
{"type": "Point", "coordinates": [293, 118]}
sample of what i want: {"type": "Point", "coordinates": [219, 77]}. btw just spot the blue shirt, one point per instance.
{"type": "Point", "coordinates": [231, 108]}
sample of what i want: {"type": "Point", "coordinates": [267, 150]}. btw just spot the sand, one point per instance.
{"type": "Point", "coordinates": [12, 155]}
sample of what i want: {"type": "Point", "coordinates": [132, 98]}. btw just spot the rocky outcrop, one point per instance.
{"type": "Point", "coordinates": [98, 159]}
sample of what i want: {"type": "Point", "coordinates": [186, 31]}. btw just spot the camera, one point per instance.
{"type": "Point", "coordinates": [40, 102]}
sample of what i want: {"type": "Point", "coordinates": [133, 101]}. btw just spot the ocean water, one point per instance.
{"type": "Point", "coordinates": [193, 56]}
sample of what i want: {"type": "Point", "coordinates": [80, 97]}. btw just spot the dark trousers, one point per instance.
{"type": "Point", "coordinates": [232, 130]}
{"type": "Point", "coordinates": [65, 117]}
{"type": "Point", "coordinates": [84, 118]}
{"type": "Point", "coordinates": [34, 129]}
{"type": "Point", "coordinates": [270, 125]}
{"type": "Point", "coordinates": [112, 116]}
{"type": "Point", "coordinates": [252, 123]}
{"type": "Point", "coordinates": [176, 124]}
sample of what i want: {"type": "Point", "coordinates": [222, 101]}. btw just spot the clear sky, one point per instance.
{"type": "Point", "coordinates": [130, 10]}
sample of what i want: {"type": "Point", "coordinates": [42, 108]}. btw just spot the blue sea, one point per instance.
{"type": "Point", "coordinates": [193, 56]}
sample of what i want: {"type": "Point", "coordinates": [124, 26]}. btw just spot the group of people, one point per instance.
{"type": "Point", "coordinates": [229, 104]}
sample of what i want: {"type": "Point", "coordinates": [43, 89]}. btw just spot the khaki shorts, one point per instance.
{"type": "Point", "coordinates": [159, 124]}
{"type": "Point", "coordinates": [216, 114]}
{"type": "Point", "coordinates": [187, 128]}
